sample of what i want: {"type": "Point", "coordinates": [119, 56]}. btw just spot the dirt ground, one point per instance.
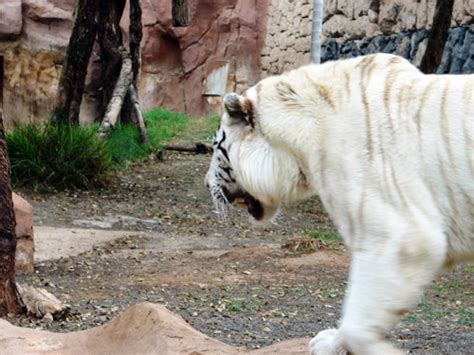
{"type": "Point", "coordinates": [226, 278]}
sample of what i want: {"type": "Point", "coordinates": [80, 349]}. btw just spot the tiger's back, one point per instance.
{"type": "Point", "coordinates": [423, 128]}
{"type": "Point", "coordinates": [389, 136]}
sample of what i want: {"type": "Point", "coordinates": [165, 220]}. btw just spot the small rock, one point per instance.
{"type": "Point", "coordinates": [48, 318]}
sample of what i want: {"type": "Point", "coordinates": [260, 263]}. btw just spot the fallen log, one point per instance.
{"type": "Point", "coordinates": [198, 148]}
{"type": "Point", "coordinates": [41, 303]}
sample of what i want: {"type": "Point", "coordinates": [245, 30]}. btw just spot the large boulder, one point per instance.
{"type": "Point", "coordinates": [25, 244]}
{"type": "Point", "coordinates": [145, 328]}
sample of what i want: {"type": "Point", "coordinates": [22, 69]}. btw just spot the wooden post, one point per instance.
{"type": "Point", "coordinates": [10, 301]}
{"type": "Point", "coordinates": [180, 13]}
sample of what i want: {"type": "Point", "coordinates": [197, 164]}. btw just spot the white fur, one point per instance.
{"type": "Point", "coordinates": [405, 206]}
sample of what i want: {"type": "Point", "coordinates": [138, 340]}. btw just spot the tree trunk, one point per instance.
{"type": "Point", "coordinates": [120, 91]}
{"type": "Point", "coordinates": [437, 37]}
{"type": "Point", "coordinates": [72, 81]}
{"type": "Point", "coordinates": [10, 301]}
{"type": "Point", "coordinates": [136, 35]}
{"type": "Point", "coordinates": [110, 40]}
{"type": "Point", "coordinates": [317, 25]}
{"type": "Point", "coordinates": [180, 13]}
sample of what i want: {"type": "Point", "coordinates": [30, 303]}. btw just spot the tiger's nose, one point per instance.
{"type": "Point", "coordinates": [206, 181]}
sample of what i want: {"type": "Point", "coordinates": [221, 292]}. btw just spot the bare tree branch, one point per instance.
{"type": "Point", "coordinates": [121, 88]}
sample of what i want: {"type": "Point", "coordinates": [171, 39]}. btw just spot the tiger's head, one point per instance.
{"type": "Point", "coordinates": [223, 178]}
{"type": "Point", "coordinates": [246, 168]}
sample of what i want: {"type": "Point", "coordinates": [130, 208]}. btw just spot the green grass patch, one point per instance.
{"type": "Point", "coordinates": [162, 125]}
{"type": "Point", "coordinates": [412, 318]}
{"type": "Point", "coordinates": [243, 304]}
{"type": "Point", "coordinates": [315, 239]}
{"type": "Point", "coordinates": [329, 237]}
{"type": "Point", "coordinates": [466, 316]}
{"type": "Point", "coordinates": [200, 129]}
{"type": "Point", "coordinates": [430, 311]}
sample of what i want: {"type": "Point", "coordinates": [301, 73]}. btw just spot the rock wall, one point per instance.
{"type": "Point", "coordinates": [458, 56]}
{"type": "Point", "coordinates": [33, 37]}
{"type": "Point", "coordinates": [354, 27]}
{"type": "Point", "coordinates": [183, 69]}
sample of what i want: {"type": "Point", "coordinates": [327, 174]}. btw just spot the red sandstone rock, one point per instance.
{"type": "Point", "coordinates": [25, 246]}
{"type": "Point", "coordinates": [145, 328]}
{"type": "Point", "coordinates": [177, 61]}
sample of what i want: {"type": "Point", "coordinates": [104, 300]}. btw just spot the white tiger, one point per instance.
{"type": "Point", "coordinates": [390, 152]}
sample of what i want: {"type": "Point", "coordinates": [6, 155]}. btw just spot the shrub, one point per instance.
{"type": "Point", "coordinates": [58, 155]}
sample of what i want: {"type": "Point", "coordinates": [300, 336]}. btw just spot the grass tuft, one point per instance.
{"type": "Point", "coordinates": [327, 236]}
{"type": "Point", "coordinates": [58, 156]}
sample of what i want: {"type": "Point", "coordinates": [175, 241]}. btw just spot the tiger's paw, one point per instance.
{"type": "Point", "coordinates": [326, 343]}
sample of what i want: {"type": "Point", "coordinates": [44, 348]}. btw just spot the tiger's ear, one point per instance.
{"type": "Point", "coordinates": [239, 109]}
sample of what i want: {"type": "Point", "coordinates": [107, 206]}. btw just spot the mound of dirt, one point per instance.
{"type": "Point", "coordinates": [142, 329]}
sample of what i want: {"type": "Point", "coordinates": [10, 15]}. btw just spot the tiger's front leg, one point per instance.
{"type": "Point", "coordinates": [387, 278]}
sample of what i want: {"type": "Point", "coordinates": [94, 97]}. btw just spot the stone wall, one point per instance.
{"type": "Point", "coordinates": [458, 56]}
{"type": "Point", "coordinates": [354, 27]}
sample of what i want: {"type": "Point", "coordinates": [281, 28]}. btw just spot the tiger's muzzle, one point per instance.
{"type": "Point", "coordinates": [241, 197]}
